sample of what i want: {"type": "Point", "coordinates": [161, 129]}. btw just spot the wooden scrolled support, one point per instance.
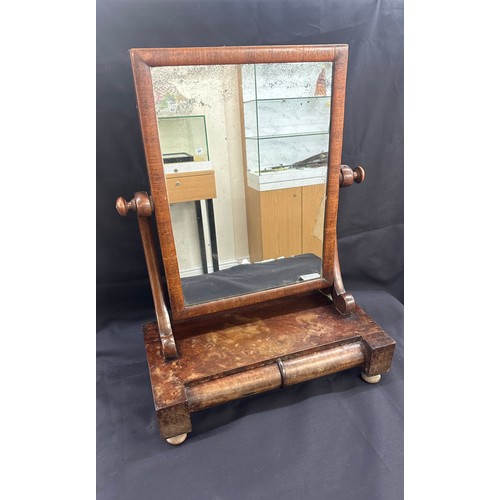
{"type": "Point", "coordinates": [143, 205]}
{"type": "Point", "coordinates": [344, 302]}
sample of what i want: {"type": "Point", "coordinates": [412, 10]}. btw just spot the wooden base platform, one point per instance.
{"type": "Point", "coordinates": [233, 354]}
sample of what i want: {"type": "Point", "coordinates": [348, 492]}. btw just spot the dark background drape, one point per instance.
{"type": "Point", "coordinates": [334, 437]}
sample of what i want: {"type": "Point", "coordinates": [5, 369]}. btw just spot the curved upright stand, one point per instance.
{"type": "Point", "coordinates": [143, 205]}
{"type": "Point", "coordinates": [344, 302]}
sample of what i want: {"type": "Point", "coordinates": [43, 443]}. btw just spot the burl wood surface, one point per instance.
{"type": "Point", "coordinates": [229, 355]}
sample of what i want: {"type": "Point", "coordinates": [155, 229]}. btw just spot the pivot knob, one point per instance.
{"type": "Point", "coordinates": [141, 203]}
{"type": "Point", "coordinates": [123, 206]}
{"type": "Point", "coordinates": [348, 176]}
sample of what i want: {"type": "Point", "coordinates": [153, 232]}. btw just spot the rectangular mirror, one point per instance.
{"type": "Point", "coordinates": [245, 150]}
{"type": "Point", "coordinates": [244, 155]}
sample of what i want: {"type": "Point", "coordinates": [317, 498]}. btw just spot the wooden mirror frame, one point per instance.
{"type": "Point", "coordinates": [142, 62]}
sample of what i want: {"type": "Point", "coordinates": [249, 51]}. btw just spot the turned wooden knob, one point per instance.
{"type": "Point", "coordinates": [123, 206]}
{"type": "Point", "coordinates": [348, 176]}
{"type": "Point", "coordinates": [141, 203]}
{"type": "Point", "coordinates": [359, 174]}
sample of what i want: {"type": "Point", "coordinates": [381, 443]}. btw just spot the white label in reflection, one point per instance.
{"type": "Point", "coordinates": [307, 277]}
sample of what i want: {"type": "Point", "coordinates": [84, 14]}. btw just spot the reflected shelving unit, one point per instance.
{"type": "Point", "coordinates": [286, 122]}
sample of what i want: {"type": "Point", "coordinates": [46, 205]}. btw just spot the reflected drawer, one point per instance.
{"type": "Point", "coordinates": [191, 186]}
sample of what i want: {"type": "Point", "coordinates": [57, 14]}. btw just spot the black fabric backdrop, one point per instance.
{"type": "Point", "coordinates": [330, 438]}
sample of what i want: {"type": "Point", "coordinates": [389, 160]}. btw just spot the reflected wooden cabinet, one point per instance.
{"type": "Point", "coordinates": [286, 317]}
{"type": "Point", "coordinates": [191, 186]}
{"type": "Point", "coordinates": [290, 229]}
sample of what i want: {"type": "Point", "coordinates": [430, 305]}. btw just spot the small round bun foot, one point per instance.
{"type": "Point", "coordinates": [373, 379]}
{"type": "Point", "coordinates": [176, 440]}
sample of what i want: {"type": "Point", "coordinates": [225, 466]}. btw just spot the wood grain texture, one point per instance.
{"type": "Point", "coordinates": [322, 363]}
{"type": "Point", "coordinates": [331, 265]}
{"type": "Point", "coordinates": [278, 374]}
{"type": "Point", "coordinates": [233, 354]}
{"type": "Point", "coordinates": [236, 54]}
{"type": "Point", "coordinates": [142, 61]}
{"type": "Point", "coordinates": [379, 353]}
{"type": "Point", "coordinates": [174, 420]}
{"type": "Point", "coordinates": [255, 335]}
{"type": "Point", "coordinates": [154, 160]}
{"type": "Point", "coordinates": [164, 326]}
{"type": "Point", "coordinates": [343, 301]}
{"type": "Point", "coordinates": [236, 386]}
{"type": "Point", "coordinates": [191, 186]}
{"type": "Point", "coordinates": [142, 204]}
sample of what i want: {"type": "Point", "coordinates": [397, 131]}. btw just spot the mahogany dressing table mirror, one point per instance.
{"type": "Point", "coordinates": [243, 149]}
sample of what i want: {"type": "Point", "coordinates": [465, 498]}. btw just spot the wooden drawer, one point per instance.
{"type": "Point", "coordinates": [191, 186]}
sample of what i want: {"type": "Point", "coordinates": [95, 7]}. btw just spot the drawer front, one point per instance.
{"type": "Point", "coordinates": [281, 373]}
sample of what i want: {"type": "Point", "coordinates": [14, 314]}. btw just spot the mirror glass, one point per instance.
{"type": "Point", "coordinates": [245, 152]}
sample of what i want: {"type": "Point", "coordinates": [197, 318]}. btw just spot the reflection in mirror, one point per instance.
{"type": "Point", "coordinates": [245, 152]}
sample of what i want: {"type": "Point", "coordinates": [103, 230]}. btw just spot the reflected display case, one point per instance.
{"type": "Point", "coordinates": [184, 143]}
{"type": "Point", "coordinates": [286, 110]}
